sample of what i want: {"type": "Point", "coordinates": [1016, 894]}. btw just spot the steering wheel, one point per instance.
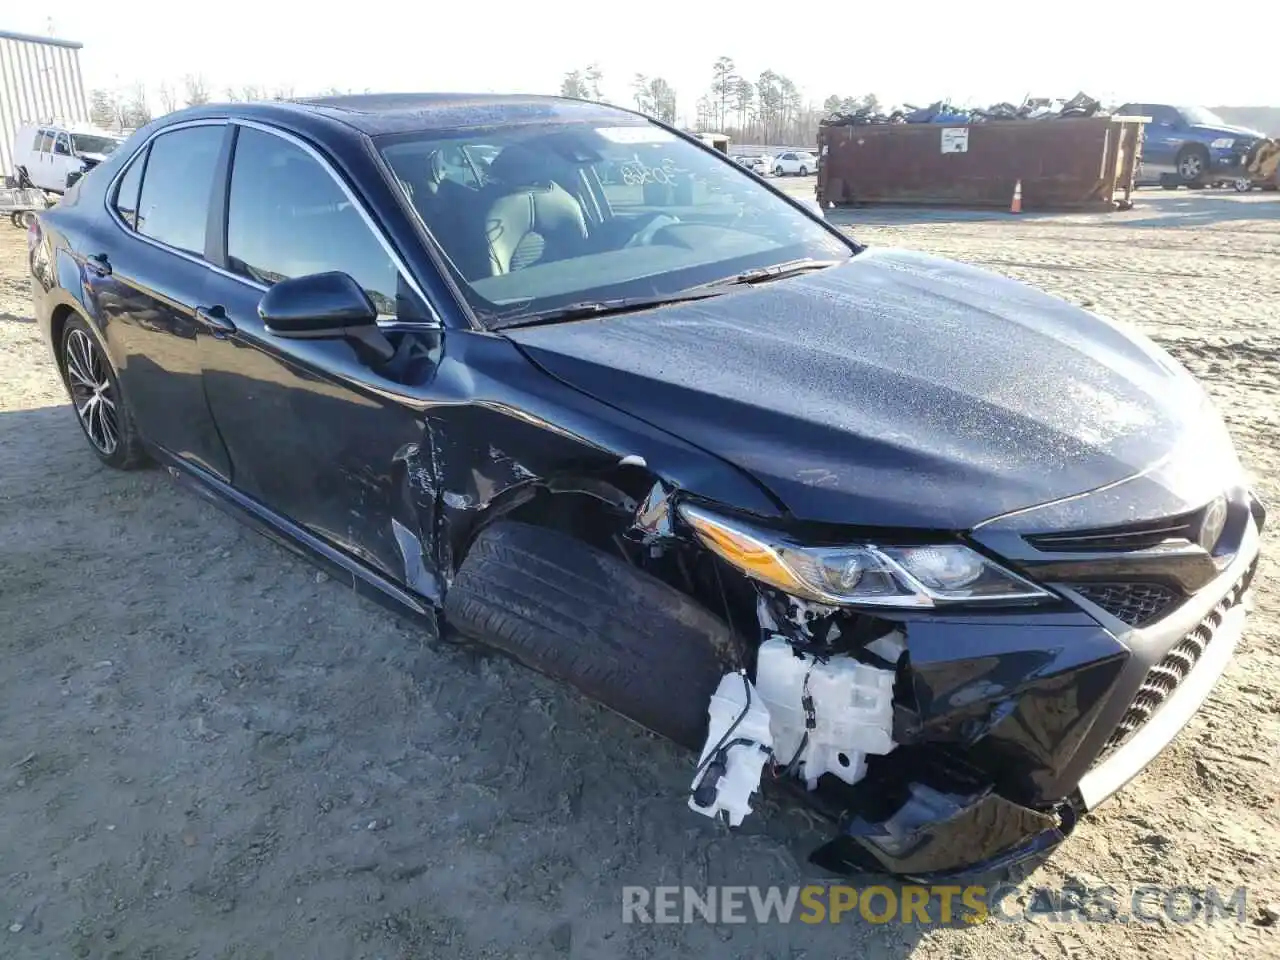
{"type": "Point", "coordinates": [644, 236]}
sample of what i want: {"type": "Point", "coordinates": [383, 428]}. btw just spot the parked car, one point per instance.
{"type": "Point", "coordinates": [662, 442]}
{"type": "Point", "coordinates": [1189, 146]}
{"type": "Point", "coordinates": [757, 164]}
{"type": "Point", "coordinates": [51, 157]}
{"type": "Point", "coordinates": [795, 162]}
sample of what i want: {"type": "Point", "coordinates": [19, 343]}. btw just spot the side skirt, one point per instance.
{"type": "Point", "coordinates": [341, 566]}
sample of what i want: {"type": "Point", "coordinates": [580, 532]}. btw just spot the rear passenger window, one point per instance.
{"type": "Point", "coordinates": [127, 193]}
{"type": "Point", "coordinates": [174, 204]}
{"type": "Point", "coordinates": [287, 217]}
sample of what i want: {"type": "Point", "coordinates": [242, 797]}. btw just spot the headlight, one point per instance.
{"type": "Point", "coordinates": [861, 574]}
{"type": "Point", "coordinates": [1223, 143]}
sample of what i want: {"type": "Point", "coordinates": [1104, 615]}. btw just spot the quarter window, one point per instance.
{"type": "Point", "coordinates": [174, 204]}
{"type": "Point", "coordinates": [287, 217]}
{"type": "Point", "coordinates": [127, 193]}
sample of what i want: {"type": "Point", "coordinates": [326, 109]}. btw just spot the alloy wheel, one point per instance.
{"type": "Point", "coordinates": [92, 391]}
{"type": "Point", "coordinates": [1191, 166]}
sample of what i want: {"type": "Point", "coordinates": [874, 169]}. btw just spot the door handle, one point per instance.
{"type": "Point", "coordinates": [216, 319]}
{"type": "Point", "coordinates": [99, 264]}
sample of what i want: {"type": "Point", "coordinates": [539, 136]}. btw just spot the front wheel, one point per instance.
{"type": "Point", "coordinates": [777, 171]}
{"type": "Point", "coordinates": [1193, 165]}
{"type": "Point", "coordinates": [804, 171]}
{"type": "Point", "coordinates": [96, 398]}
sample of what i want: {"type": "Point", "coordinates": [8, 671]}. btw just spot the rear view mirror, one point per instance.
{"type": "Point", "coordinates": [324, 306]}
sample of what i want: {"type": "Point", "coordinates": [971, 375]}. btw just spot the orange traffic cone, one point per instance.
{"type": "Point", "coordinates": [1016, 206]}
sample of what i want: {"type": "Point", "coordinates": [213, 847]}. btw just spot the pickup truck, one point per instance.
{"type": "Point", "coordinates": [1189, 146]}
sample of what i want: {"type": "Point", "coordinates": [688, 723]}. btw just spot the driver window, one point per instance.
{"type": "Point", "coordinates": [62, 146]}
{"type": "Point", "coordinates": [287, 217]}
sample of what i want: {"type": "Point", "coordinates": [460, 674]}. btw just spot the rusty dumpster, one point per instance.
{"type": "Point", "coordinates": [1077, 163]}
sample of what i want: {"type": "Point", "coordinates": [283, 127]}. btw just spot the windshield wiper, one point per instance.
{"type": "Point", "coordinates": [778, 271]}
{"type": "Point", "coordinates": [585, 309]}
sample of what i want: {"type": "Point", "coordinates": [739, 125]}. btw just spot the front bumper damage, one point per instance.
{"type": "Point", "coordinates": [1006, 729]}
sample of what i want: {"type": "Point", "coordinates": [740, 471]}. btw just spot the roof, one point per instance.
{"type": "Point", "coordinates": [380, 113]}
{"type": "Point", "coordinates": [47, 41]}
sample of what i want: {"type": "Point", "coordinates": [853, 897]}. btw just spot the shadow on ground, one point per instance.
{"type": "Point", "coordinates": [206, 749]}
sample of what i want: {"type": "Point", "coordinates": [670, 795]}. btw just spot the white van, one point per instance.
{"type": "Point", "coordinates": [46, 155]}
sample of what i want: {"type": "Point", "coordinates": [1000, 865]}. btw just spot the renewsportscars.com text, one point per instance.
{"type": "Point", "coordinates": [935, 904]}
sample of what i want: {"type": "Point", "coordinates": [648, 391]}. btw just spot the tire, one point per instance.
{"type": "Point", "coordinates": [777, 171]}
{"type": "Point", "coordinates": [620, 636]}
{"type": "Point", "coordinates": [804, 171]}
{"type": "Point", "coordinates": [1193, 165]}
{"type": "Point", "coordinates": [106, 422]}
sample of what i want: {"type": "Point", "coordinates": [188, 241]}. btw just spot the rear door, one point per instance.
{"type": "Point", "coordinates": [145, 280]}
{"type": "Point", "coordinates": [314, 433]}
{"type": "Point", "coordinates": [41, 170]}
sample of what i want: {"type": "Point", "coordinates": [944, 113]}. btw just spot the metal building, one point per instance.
{"type": "Point", "coordinates": [39, 81]}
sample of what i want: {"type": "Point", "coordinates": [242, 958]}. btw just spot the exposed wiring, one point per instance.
{"type": "Point", "coordinates": [810, 722]}
{"type": "Point", "coordinates": [746, 686]}
{"type": "Point", "coordinates": [728, 616]}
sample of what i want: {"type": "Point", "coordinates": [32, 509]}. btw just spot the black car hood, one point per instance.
{"type": "Point", "coordinates": [895, 390]}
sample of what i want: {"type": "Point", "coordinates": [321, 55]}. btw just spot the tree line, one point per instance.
{"type": "Point", "coordinates": [769, 109]}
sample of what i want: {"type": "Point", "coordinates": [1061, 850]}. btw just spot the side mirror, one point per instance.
{"type": "Point", "coordinates": [324, 306]}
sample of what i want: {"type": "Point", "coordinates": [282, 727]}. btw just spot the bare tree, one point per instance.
{"type": "Point", "coordinates": [573, 85]}
{"type": "Point", "coordinates": [136, 111]}
{"type": "Point", "coordinates": [592, 80]}
{"type": "Point", "coordinates": [723, 84]}
{"type": "Point", "coordinates": [284, 92]}
{"type": "Point", "coordinates": [655, 97]}
{"type": "Point", "coordinates": [168, 97]}
{"type": "Point", "coordinates": [744, 100]}
{"type": "Point", "coordinates": [103, 110]}
{"type": "Point", "coordinates": [197, 89]}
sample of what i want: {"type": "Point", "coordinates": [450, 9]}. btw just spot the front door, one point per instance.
{"type": "Point", "coordinates": [315, 434]}
{"type": "Point", "coordinates": [147, 290]}
{"type": "Point", "coordinates": [62, 161]}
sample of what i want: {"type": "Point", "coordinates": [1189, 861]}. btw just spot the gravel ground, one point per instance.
{"type": "Point", "coordinates": [207, 750]}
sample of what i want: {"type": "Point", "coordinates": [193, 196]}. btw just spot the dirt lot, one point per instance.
{"type": "Point", "coordinates": [208, 751]}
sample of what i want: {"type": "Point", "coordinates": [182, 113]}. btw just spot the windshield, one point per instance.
{"type": "Point", "coordinates": [89, 143]}
{"type": "Point", "coordinates": [536, 217]}
{"type": "Point", "coordinates": [1200, 117]}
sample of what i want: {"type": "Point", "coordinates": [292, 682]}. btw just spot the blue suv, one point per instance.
{"type": "Point", "coordinates": [1189, 146]}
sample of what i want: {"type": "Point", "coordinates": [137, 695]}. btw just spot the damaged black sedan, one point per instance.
{"type": "Point", "coordinates": [950, 557]}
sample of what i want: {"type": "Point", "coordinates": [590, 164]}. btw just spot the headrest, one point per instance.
{"type": "Point", "coordinates": [518, 166]}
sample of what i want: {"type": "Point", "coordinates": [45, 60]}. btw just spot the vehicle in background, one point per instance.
{"type": "Point", "coordinates": [40, 79]}
{"type": "Point", "coordinates": [53, 156]}
{"type": "Point", "coordinates": [758, 165]}
{"type": "Point", "coordinates": [798, 162]}
{"type": "Point", "coordinates": [719, 141]}
{"type": "Point", "coordinates": [1189, 146]}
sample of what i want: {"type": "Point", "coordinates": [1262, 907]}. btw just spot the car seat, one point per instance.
{"type": "Point", "coordinates": [533, 218]}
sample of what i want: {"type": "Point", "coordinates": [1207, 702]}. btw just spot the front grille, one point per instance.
{"type": "Point", "coordinates": [1165, 677]}
{"type": "Point", "coordinates": [1136, 604]}
{"type": "Point", "coordinates": [1134, 536]}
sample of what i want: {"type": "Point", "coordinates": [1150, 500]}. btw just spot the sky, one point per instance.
{"type": "Point", "coordinates": [977, 53]}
